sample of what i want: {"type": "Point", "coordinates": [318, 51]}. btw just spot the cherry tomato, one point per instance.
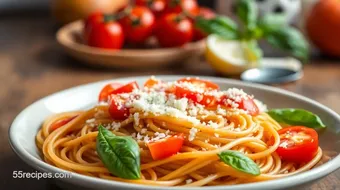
{"type": "Point", "coordinates": [117, 109]}
{"type": "Point", "coordinates": [61, 123]}
{"type": "Point", "coordinates": [90, 21]}
{"type": "Point", "coordinates": [200, 82]}
{"type": "Point", "coordinates": [104, 34]}
{"type": "Point", "coordinates": [107, 90]}
{"type": "Point", "coordinates": [173, 30]}
{"type": "Point", "coordinates": [138, 25]}
{"type": "Point", "coordinates": [206, 13]}
{"type": "Point", "coordinates": [297, 144]}
{"type": "Point", "coordinates": [116, 88]}
{"type": "Point", "coordinates": [245, 104]}
{"type": "Point", "coordinates": [166, 147]}
{"type": "Point", "coordinates": [180, 6]}
{"type": "Point", "coordinates": [152, 82]}
{"type": "Point", "coordinates": [199, 96]}
{"type": "Point", "coordinates": [156, 6]}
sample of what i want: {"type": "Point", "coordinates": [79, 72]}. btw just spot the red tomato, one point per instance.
{"type": "Point", "coordinates": [245, 104]}
{"type": "Point", "coordinates": [297, 144]}
{"type": "Point", "coordinates": [61, 123]}
{"type": "Point", "coordinates": [117, 109]}
{"type": "Point", "coordinates": [180, 6]}
{"type": "Point", "coordinates": [138, 25]}
{"type": "Point", "coordinates": [201, 83]}
{"type": "Point", "coordinates": [107, 90]}
{"type": "Point", "coordinates": [90, 21]}
{"type": "Point", "coordinates": [129, 87]}
{"type": "Point", "coordinates": [173, 30]}
{"type": "Point", "coordinates": [166, 147]}
{"type": "Point", "coordinates": [198, 97]}
{"type": "Point", "coordinates": [206, 13]}
{"type": "Point", "coordinates": [104, 34]}
{"type": "Point", "coordinates": [156, 6]}
{"type": "Point", "coordinates": [151, 82]}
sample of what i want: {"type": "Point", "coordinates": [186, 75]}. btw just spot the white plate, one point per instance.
{"type": "Point", "coordinates": [27, 123]}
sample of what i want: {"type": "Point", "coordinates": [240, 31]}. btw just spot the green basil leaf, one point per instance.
{"type": "Point", "coordinates": [247, 12]}
{"type": "Point", "coordinates": [290, 40]}
{"type": "Point", "coordinates": [271, 22]}
{"type": "Point", "coordinates": [119, 154]}
{"type": "Point", "coordinates": [240, 162]}
{"type": "Point", "coordinates": [220, 25]}
{"type": "Point", "coordinates": [296, 117]}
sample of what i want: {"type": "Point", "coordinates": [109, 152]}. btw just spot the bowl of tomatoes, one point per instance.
{"type": "Point", "coordinates": [147, 33]}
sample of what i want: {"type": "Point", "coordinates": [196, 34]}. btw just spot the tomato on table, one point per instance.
{"type": "Point", "coordinates": [205, 13]}
{"type": "Point", "coordinates": [62, 122]}
{"type": "Point", "coordinates": [245, 104]}
{"type": "Point", "coordinates": [156, 6]}
{"type": "Point", "coordinates": [138, 24]}
{"type": "Point", "coordinates": [117, 109]}
{"type": "Point", "coordinates": [297, 144]}
{"type": "Point", "coordinates": [179, 6]}
{"type": "Point", "coordinates": [166, 147]}
{"type": "Point", "coordinates": [103, 32]}
{"type": "Point", "coordinates": [173, 30]}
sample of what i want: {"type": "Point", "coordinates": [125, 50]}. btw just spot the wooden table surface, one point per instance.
{"type": "Point", "coordinates": [33, 66]}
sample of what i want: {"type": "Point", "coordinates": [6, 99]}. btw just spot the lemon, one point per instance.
{"type": "Point", "coordinates": [229, 57]}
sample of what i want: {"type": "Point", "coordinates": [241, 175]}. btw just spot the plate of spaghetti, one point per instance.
{"type": "Point", "coordinates": [179, 132]}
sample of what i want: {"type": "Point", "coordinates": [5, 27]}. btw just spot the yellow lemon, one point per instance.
{"type": "Point", "coordinates": [229, 57]}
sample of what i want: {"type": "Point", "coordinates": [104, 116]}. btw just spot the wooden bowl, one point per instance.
{"type": "Point", "coordinates": [69, 37]}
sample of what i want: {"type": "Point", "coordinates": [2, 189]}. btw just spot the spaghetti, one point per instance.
{"type": "Point", "coordinates": [156, 113]}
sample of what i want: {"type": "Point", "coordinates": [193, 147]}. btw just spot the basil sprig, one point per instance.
{"type": "Point", "coordinates": [271, 27]}
{"type": "Point", "coordinates": [119, 154]}
{"type": "Point", "coordinates": [296, 117]}
{"type": "Point", "coordinates": [220, 25]}
{"type": "Point", "coordinates": [240, 162]}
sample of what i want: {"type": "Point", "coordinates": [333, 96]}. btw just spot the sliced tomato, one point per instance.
{"type": "Point", "coordinates": [198, 97]}
{"type": "Point", "coordinates": [200, 83]}
{"type": "Point", "coordinates": [166, 147]}
{"type": "Point", "coordinates": [245, 104]}
{"type": "Point", "coordinates": [61, 123]}
{"type": "Point", "coordinates": [117, 108]}
{"type": "Point", "coordinates": [107, 90]}
{"type": "Point", "coordinates": [116, 88]}
{"type": "Point", "coordinates": [297, 144]}
{"type": "Point", "coordinates": [152, 82]}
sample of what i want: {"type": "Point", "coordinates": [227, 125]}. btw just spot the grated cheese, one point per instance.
{"type": "Point", "coordinates": [192, 133]}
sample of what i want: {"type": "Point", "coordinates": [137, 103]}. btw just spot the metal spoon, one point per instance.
{"type": "Point", "coordinates": [271, 75]}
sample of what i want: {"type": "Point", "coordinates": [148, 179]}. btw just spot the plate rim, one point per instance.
{"type": "Point", "coordinates": [290, 181]}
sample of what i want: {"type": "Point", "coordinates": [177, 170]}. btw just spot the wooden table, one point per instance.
{"type": "Point", "coordinates": [33, 66]}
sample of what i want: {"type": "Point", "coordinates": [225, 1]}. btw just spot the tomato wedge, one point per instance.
{"type": "Point", "coordinates": [297, 144]}
{"type": "Point", "coordinates": [61, 122]}
{"type": "Point", "coordinates": [200, 83]}
{"type": "Point", "coordinates": [199, 96]}
{"type": "Point", "coordinates": [107, 90]}
{"type": "Point", "coordinates": [116, 88]}
{"type": "Point", "coordinates": [152, 82]}
{"type": "Point", "coordinates": [245, 104]}
{"type": "Point", "coordinates": [166, 147]}
{"type": "Point", "coordinates": [117, 109]}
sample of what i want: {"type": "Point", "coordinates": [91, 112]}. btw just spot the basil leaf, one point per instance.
{"type": "Point", "coordinates": [290, 40]}
{"type": "Point", "coordinates": [296, 117]}
{"type": "Point", "coordinates": [271, 22]}
{"type": "Point", "coordinates": [220, 25]}
{"type": "Point", "coordinates": [240, 162]}
{"type": "Point", "coordinates": [247, 12]}
{"type": "Point", "coordinates": [119, 154]}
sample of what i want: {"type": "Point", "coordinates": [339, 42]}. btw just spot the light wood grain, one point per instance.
{"type": "Point", "coordinates": [33, 66]}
